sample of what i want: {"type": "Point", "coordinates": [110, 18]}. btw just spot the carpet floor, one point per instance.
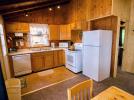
{"type": "Point", "coordinates": [123, 80]}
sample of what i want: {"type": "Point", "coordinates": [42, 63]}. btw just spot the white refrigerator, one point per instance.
{"type": "Point", "coordinates": [97, 46]}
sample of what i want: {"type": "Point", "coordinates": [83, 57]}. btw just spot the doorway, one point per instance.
{"type": "Point", "coordinates": [121, 45]}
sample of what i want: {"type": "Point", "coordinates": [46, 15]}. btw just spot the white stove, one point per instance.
{"type": "Point", "coordinates": [74, 58]}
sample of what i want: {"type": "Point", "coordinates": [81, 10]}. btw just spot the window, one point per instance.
{"type": "Point", "coordinates": [39, 35]}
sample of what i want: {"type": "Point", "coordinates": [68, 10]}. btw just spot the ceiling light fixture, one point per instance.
{"type": "Point", "coordinates": [26, 14]}
{"type": "Point", "coordinates": [58, 7]}
{"type": "Point", "coordinates": [50, 9]}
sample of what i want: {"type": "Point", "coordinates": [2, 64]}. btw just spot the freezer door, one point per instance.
{"type": "Point", "coordinates": [91, 38]}
{"type": "Point", "coordinates": [91, 62]}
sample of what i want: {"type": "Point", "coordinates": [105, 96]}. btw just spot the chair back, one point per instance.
{"type": "Point", "coordinates": [81, 91]}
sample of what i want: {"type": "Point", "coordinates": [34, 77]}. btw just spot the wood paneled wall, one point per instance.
{"type": "Point", "coordinates": [109, 23]}
{"type": "Point", "coordinates": [56, 16]}
{"type": "Point", "coordinates": [76, 10]}
{"type": "Point", "coordinates": [100, 8]}
{"type": "Point", "coordinates": [121, 8]}
{"type": "Point", "coordinates": [88, 9]}
{"type": "Point", "coordinates": [128, 57]}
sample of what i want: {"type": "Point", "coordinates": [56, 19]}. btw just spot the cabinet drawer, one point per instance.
{"type": "Point", "coordinates": [49, 53]}
{"type": "Point", "coordinates": [37, 54]}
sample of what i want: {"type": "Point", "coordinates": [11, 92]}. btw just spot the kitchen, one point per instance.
{"type": "Point", "coordinates": [47, 41]}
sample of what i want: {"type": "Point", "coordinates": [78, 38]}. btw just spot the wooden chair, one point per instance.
{"type": "Point", "coordinates": [81, 91]}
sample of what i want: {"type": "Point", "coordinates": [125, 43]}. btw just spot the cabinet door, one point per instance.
{"type": "Point", "coordinates": [72, 26]}
{"type": "Point", "coordinates": [68, 34]}
{"type": "Point", "coordinates": [61, 57]}
{"type": "Point", "coordinates": [23, 27]}
{"type": "Point", "coordinates": [37, 62]}
{"type": "Point", "coordinates": [76, 36]}
{"type": "Point", "coordinates": [12, 27]}
{"type": "Point", "coordinates": [78, 25]}
{"type": "Point", "coordinates": [56, 58]}
{"type": "Point", "coordinates": [63, 31]}
{"type": "Point", "coordinates": [49, 59]}
{"type": "Point", "coordinates": [54, 32]}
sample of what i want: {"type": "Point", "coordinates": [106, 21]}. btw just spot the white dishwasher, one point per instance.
{"type": "Point", "coordinates": [22, 64]}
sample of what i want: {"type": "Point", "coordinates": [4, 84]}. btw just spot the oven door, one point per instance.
{"type": "Point", "coordinates": [70, 57]}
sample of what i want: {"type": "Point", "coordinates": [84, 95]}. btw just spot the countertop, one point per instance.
{"type": "Point", "coordinates": [29, 51]}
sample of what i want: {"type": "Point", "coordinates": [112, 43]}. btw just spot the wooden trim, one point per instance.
{"type": "Point", "coordinates": [109, 23]}
{"type": "Point", "coordinates": [101, 17]}
{"type": "Point", "coordinates": [116, 49]}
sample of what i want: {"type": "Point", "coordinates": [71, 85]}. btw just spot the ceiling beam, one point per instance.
{"type": "Point", "coordinates": [30, 6]}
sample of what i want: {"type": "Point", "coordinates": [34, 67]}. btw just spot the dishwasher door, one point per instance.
{"type": "Point", "coordinates": [22, 64]}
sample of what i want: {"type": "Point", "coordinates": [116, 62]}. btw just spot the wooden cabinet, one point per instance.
{"type": "Point", "coordinates": [37, 61]}
{"type": "Point", "coordinates": [54, 32]}
{"type": "Point", "coordinates": [76, 36]}
{"type": "Point", "coordinates": [12, 27]}
{"type": "Point", "coordinates": [68, 32]}
{"type": "Point", "coordinates": [72, 26]}
{"type": "Point", "coordinates": [56, 58]}
{"type": "Point", "coordinates": [65, 32]}
{"type": "Point", "coordinates": [59, 58]}
{"type": "Point", "coordinates": [42, 60]}
{"type": "Point", "coordinates": [46, 60]}
{"type": "Point", "coordinates": [49, 59]}
{"type": "Point", "coordinates": [60, 32]}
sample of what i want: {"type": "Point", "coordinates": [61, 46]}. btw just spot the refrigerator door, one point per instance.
{"type": "Point", "coordinates": [91, 38]}
{"type": "Point", "coordinates": [91, 62]}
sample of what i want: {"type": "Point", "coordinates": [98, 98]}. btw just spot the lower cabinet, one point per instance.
{"type": "Point", "coordinates": [37, 61]}
{"type": "Point", "coordinates": [46, 60]}
{"type": "Point", "coordinates": [59, 58]}
{"type": "Point", "coordinates": [56, 58]}
{"type": "Point", "coordinates": [49, 59]}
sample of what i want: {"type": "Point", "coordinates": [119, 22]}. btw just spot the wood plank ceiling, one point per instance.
{"type": "Point", "coordinates": [13, 6]}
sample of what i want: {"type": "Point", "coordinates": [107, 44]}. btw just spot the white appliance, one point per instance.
{"type": "Point", "coordinates": [97, 54]}
{"type": "Point", "coordinates": [22, 64]}
{"type": "Point", "coordinates": [74, 58]}
{"type": "Point", "coordinates": [63, 44]}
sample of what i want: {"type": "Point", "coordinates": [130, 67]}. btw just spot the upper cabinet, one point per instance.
{"type": "Point", "coordinates": [14, 27]}
{"type": "Point", "coordinates": [54, 32]}
{"type": "Point", "coordinates": [65, 32]}
{"type": "Point", "coordinates": [60, 32]}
